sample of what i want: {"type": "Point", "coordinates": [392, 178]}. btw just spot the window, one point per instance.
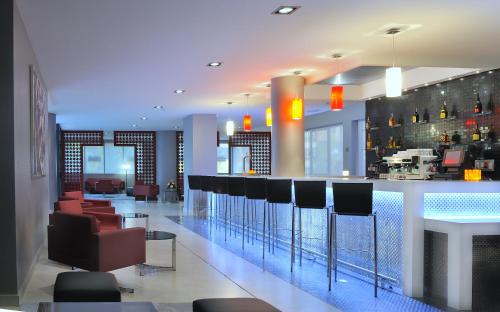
{"type": "Point", "coordinates": [324, 151]}
{"type": "Point", "coordinates": [361, 148]}
{"type": "Point", "coordinates": [109, 159]}
{"type": "Point", "coordinates": [223, 158]}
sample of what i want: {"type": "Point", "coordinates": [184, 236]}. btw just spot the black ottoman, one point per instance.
{"type": "Point", "coordinates": [86, 287]}
{"type": "Point", "coordinates": [232, 305]}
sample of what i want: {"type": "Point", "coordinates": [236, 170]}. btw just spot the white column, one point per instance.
{"type": "Point", "coordinates": [200, 146]}
{"type": "Point", "coordinates": [287, 134]}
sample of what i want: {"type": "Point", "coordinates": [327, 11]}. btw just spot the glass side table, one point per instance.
{"type": "Point", "coordinates": [135, 215]}
{"type": "Point", "coordinates": [170, 195]}
{"type": "Point", "coordinates": [160, 235]}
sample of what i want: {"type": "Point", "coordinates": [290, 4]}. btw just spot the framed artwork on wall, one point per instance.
{"type": "Point", "coordinates": [39, 115]}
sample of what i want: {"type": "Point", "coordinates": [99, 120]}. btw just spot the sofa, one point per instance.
{"type": "Point", "coordinates": [104, 185]}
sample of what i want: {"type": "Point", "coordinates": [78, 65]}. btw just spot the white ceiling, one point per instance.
{"type": "Point", "coordinates": [108, 62]}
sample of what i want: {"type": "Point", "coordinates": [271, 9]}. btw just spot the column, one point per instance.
{"type": "Point", "coordinates": [200, 146]}
{"type": "Point", "coordinates": [287, 134]}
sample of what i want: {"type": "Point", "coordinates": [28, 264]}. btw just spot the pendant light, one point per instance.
{"type": "Point", "coordinates": [269, 117]}
{"type": "Point", "coordinates": [337, 92]}
{"type": "Point", "coordinates": [393, 75]}
{"type": "Point", "coordinates": [297, 108]}
{"type": "Point", "coordinates": [229, 125]}
{"type": "Point", "coordinates": [247, 119]}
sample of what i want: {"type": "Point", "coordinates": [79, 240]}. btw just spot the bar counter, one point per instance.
{"type": "Point", "coordinates": [402, 207]}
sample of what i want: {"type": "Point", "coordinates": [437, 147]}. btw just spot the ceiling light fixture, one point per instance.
{"type": "Point", "coordinates": [144, 118]}
{"type": "Point", "coordinates": [393, 75]}
{"type": "Point", "coordinates": [247, 119]}
{"type": "Point", "coordinates": [179, 91]}
{"type": "Point", "coordinates": [158, 107]}
{"type": "Point", "coordinates": [134, 125]}
{"type": "Point", "coordinates": [337, 92]}
{"type": "Point", "coordinates": [286, 10]}
{"type": "Point", "coordinates": [229, 124]}
{"type": "Point", "coordinates": [214, 64]}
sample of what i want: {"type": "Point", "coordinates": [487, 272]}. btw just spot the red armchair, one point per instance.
{"type": "Point", "coordinates": [105, 221]}
{"type": "Point", "coordinates": [75, 240]}
{"type": "Point", "coordinates": [94, 204]}
{"type": "Point", "coordinates": [105, 187]}
{"type": "Point", "coordinates": [146, 192]}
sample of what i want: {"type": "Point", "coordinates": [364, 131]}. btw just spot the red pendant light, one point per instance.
{"type": "Point", "coordinates": [337, 98]}
{"type": "Point", "coordinates": [297, 108]}
{"type": "Point", "coordinates": [247, 123]}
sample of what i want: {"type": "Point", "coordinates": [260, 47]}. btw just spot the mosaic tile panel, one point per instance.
{"type": "Point", "coordinates": [461, 205]}
{"type": "Point", "coordinates": [145, 152]}
{"type": "Point", "coordinates": [179, 146]}
{"type": "Point", "coordinates": [260, 149]}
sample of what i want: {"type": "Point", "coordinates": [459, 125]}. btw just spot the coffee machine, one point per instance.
{"type": "Point", "coordinates": [412, 164]}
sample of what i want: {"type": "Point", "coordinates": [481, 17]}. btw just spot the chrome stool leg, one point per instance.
{"type": "Point", "coordinates": [300, 237]}
{"type": "Point", "coordinates": [292, 238]}
{"type": "Point", "coordinates": [330, 233]}
{"type": "Point", "coordinates": [335, 245]}
{"type": "Point", "coordinates": [264, 233]}
{"type": "Point", "coordinates": [375, 255]}
{"type": "Point", "coordinates": [243, 227]}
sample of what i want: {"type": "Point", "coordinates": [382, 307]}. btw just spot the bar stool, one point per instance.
{"type": "Point", "coordinates": [255, 189]}
{"type": "Point", "coordinates": [236, 189]}
{"type": "Point", "coordinates": [207, 187]}
{"type": "Point", "coordinates": [278, 191]}
{"type": "Point", "coordinates": [352, 199]}
{"type": "Point", "coordinates": [194, 184]}
{"type": "Point", "coordinates": [220, 187]}
{"type": "Point", "coordinates": [308, 195]}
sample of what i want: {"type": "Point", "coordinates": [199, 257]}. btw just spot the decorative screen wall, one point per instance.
{"type": "Point", "coordinates": [72, 143]}
{"type": "Point", "coordinates": [145, 152]}
{"type": "Point", "coordinates": [180, 162]}
{"type": "Point", "coordinates": [260, 149]}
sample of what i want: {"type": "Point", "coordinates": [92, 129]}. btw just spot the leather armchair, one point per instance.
{"type": "Point", "coordinates": [105, 187]}
{"type": "Point", "coordinates": [101, 204]}
{"type": "Point", "coordinates": [75, 240]}
{"type": "Point", "coordinates": [105, 221]}
{"type": "Point", "coordinates": [146, 192]}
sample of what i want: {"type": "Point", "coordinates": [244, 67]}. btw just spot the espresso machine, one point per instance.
{"type": "Point", "coordinates": [412, 164]}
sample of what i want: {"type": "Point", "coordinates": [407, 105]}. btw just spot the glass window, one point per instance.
{"type": "Point", "coordinates": [361, 148]}
{"type": "Point", "coordinates": [223, 158]}
{"type": "Point", "coordinates": [109, 159]}
{"type": "Point", "coordinates": [324, 151]}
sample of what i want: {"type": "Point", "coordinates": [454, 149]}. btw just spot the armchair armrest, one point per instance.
{"type": "Point", "coordinates": [98, 202]}
{"type": "Point", "coordinates": [107, 218]}
{"type": "Point", "coordinates": [110, 210]}
{"type": "Point", "coordinates": [121, 248]}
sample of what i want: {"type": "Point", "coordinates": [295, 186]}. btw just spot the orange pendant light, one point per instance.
{"type": "Point", "coordinates": [297, 108]}
{"type": "Point", "coordinates": [247, 123]}
{"type": "Point", "coordinates": [337, 98]}
{"type": "Point", "coordinates": [269, 117]}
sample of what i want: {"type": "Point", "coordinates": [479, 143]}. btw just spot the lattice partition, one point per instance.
{"type": "Point", "coordinates": [72, 143]}
{"type": "Point", "coordinates": [180, 162]}
{"type": "Point", "coordinates": [145, 152]}
{"type": "Point", "coordinates": [260, 149]}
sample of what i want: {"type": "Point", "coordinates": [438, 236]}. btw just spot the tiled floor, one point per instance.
{"type": "Point", "coordinates": [204, 269]}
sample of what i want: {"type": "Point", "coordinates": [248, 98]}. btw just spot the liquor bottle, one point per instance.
{"type": "Point", "coordinates": [368, 124]}
{"type": "Point", "coordinates": [478, 108]}
{"type": "Point", "coordinates": [399, 142]}
{"type": "Point", "coordinates": [491, 105]}
{"type": "Point", "coordinates": [369, 142]}
{"type": "Point", "coordinates": [416, 117]}
{"type": "Point", "coordinates": [392, 120]}
{"type": "Point", "coordinates": [456, 138]}
{"type": "Point", "coordinates": [491, 135]}
{"type": "Point", "coordinates": [476, 135]}
{"type": "Point", "coordinates": [391, 143]}
{"type": "Point", "coordinates": [426, 115]}
{"type": "Point", "coordinates": [443, 114]}
{"type": "Point", "coordinates": [444, 138]}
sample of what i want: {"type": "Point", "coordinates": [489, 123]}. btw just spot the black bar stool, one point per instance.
{"type": "Point", "coordinates": [255, 189]}
{"type": "Point", "coordinates": [194, 184]}
{"type": "Point", "coordinates": [308, 195]}
{"type": "Point", "coordinates": [220, 185]}
{"type": "Point", "coordinates": [207, 187]}
{"type": "Point", "coordinates": [352, 199]}
{"type": "Point", "coordinates": [236, 189]}
{"type": "Point", "coordinates": [278, 191]}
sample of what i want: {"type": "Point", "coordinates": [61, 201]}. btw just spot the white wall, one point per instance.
{"type": "Point", "coordinates": [352, 112]}
{"type": "Point", "coordinates": [165, 158]}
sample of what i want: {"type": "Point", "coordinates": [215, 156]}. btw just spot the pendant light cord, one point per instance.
{"type": "Point", "coordinates": [393, 51]}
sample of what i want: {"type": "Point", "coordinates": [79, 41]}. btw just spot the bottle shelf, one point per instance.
{"type": "Point", "coordinates": [373, 129]}
{"type": "Point", "coordinates": [485, 113]}
{"type": "Point", "coordinates": [396, 126]}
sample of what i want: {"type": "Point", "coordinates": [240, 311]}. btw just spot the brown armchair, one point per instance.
{"type": "Point", "coordinates": [105, 221]}
{"type": "Point", "coordinates": [75, 240]}
{"type": "Point", "coordinates": [146, 192]}
{"type": "Point", "coordinates": [105, 187]}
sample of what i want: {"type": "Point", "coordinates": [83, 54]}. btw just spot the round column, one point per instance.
{"type": "Point", "coordinates": [287, 133]}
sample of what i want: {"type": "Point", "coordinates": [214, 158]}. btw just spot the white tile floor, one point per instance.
{"type": "Point", "coordinates": [204, 270]}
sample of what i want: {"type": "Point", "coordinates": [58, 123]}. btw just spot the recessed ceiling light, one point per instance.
{"type": "Point", "coordinates": [158, 107]}
{"type": "Point", "coordinates": [426, 84]}
{"type": "Point", "coordinates": [490, 72]}
{"type": "Point", "coordinates": [214, 64]}
{"type": "Point", "coordinates": [144, 118]}
{"type": "Point", "coordinates": [179, 91]}
{"type": "Point", "coordinates": [462, 79]}
{"type": "Point", "coordinates": [450, 78]}
{"type": "Point", "coordinates": [405, 90]}
{"type": "Point", "coordinates": [438, 85]}
{"type": "Point", "coordinates": [134, 125]}
{"type": "Point", "coordinates": [477, 71]}
{"type": "Point", "coordinates": [285, 10]}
